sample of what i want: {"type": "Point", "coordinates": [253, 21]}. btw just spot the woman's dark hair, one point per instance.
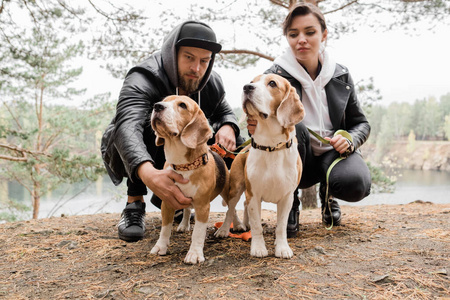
{"type": "Point", "coordinates": [303, 9]}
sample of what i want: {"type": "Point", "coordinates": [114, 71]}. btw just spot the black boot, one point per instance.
{"type": "Point", "coordinates": [331, 212]}
{"type": "Point", "coordinates": [294, 215]}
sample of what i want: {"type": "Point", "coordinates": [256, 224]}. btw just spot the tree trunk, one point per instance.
{"type": "Point", "coordinates": [309, 198]}
{"type": "Point", "coordinates": [36, 203]}
{"type": "Point", "coordinates": [36, 194]}
{"type": "Point", "coordinates": [4, 191]}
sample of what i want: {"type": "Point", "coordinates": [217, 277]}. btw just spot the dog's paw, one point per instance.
{"type": "Point", "coordinates": [239, 227]}
{"type": "Point", "coordinates": [222, 232]}
{"type": "Point", "coordinates": [194, 256]}
{"type": "Point", "coordinates": [183, 227]}
{"type": "Point", "coordinates": [259, 251]}
{"type": "Point", "coordinates": [283, 252]}
{"type": "Point", "coordinates": [159, 249]}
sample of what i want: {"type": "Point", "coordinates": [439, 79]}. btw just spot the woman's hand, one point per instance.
{"type": "Point", "coordinates": [339, 143]}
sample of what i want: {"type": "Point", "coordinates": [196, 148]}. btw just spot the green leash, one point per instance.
{"type": "Point", "coordinates": [346, 135]}
{"type": "Point", "coordinates": [241, 146]}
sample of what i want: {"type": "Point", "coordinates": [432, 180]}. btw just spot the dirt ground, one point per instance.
{"type": "Point", "coordinates": [380, 252]}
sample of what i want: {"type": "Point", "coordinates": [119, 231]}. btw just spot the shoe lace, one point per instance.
{"type": "Point", "coordinates": [134, 217]}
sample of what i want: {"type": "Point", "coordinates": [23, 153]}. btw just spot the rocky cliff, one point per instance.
{"type": "Point", "coordinates": [418, 155]}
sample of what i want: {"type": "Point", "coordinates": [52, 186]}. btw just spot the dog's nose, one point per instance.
{"type": "Point", "coordinates": [158, 107]}
{"type": "Point", "coordinates": [248, 88]}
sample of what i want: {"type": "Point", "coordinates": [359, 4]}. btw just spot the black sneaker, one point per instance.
{"type": "Point", "coordinates": [131, 226]}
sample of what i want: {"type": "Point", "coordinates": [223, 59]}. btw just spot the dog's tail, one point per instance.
{"type": "Point", "coordinates": [222, 175]}
{"type": "Point", "coordinates": [237, 178]}
{"type": "Point", "coordinates": [226, 191]}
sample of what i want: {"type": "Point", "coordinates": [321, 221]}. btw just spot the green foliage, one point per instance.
{"type": "Point", "coordinates": [71, 153]}
{"type": "Point", "coordinates": [44, 142]}
{"type": "Point", "coordinates": [381, 183]}
{"type": "Point", "coordinates": [411, 142]}
{"type": "Point", "coordinates": [367, 93]}
{"type": "Point", "coordinates": [447, 127]}
{"type": "Point", "coordinates": [425, 118]}
{"type": "Point", "coordinates": [13, 211]}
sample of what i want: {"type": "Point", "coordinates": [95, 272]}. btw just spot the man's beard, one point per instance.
{"type": "Point", "coordinates": [189, 85]}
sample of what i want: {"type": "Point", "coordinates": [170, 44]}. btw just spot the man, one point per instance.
{"type": "Point", "coordinates": [183, 66]}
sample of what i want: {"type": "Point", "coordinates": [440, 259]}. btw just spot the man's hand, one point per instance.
{"type": "Point", "coordinates": [226, 137]}
{"type": "Point", "coordinates": [339, 143]}
{"type": "Point", "coordinates": [162, 184]}
{"type": "Point", "coordinates": [251, 126]}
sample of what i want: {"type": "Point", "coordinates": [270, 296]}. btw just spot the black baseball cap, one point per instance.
{"type": "Point", "coordinates": [198, 35]}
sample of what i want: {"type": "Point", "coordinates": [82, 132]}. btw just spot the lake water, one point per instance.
{"type": "Point", "coordinates": [412, 185]}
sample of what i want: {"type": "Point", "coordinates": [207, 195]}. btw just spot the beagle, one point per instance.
{"type": "Point", "coordinates": [271, 170]}
{"type": "Point", "coordinates": [181, 126]}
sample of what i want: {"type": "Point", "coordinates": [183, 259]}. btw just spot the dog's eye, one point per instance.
{"type": "Point", "coordinates": [182, 105]}
{"type": "Point", "coordinates": [272, 83]}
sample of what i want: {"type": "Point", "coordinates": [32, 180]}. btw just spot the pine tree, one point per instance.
{"type": "Point", "coordinates": [44, 142]}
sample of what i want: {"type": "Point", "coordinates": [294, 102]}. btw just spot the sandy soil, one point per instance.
{"type": "Point", "coordinates": [380, 252]}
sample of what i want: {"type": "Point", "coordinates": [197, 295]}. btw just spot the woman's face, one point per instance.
{"type": "Point", "coordinates": [304, 37]}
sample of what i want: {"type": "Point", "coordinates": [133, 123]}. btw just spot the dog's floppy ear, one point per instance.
{"type": "Point", "coordinates": [290, 111]}
{"type": "Point", "coordinates": [159, 141]}
{"type": "Point", "coordinates": [197, 131]}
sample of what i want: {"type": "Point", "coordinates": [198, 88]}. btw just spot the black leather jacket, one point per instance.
{"type": "Point", "coordinates": [343, 105]}
{"type": "Point", "coordinates": [129, 140]}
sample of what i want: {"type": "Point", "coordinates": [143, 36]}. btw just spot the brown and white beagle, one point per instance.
{"type": "Point", "coordinates": [181, 126]}
{"type": "Point", "coordinates": [271, 170]}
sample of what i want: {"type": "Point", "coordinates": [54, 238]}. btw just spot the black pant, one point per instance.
{"type": "Point", "coordinates": [349, 179]}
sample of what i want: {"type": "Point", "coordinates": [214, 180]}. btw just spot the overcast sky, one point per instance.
{"type": "Point", "coordinates": [404, 67]}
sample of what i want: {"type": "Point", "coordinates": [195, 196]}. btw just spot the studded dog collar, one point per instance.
{"type": "Point", "coordinates": [197, 163]}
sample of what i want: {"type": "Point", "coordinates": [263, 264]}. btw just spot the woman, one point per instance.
{"type": "Point", "coordinates": [328, 95]}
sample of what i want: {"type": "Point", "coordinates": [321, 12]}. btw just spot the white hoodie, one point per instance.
{"type": "Point", "coordinates": [314, 98]}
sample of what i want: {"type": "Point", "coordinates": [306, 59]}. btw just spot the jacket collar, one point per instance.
{"type": "Point", "coordinates": [338, 71]}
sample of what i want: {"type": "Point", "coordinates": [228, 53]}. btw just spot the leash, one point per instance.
{"type": "Point", "coordinates": [343, 156]}
{"type": "Point", "coordinates": [224, 152]}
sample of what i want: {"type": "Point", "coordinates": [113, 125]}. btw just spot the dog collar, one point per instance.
{"type": "Point", "coordinates": [197, 163]}
{"type": "Point", "coordinates": [279, 146]}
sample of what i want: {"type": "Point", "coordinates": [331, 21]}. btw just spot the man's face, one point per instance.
{"type": "Point", "coordinates": [192, 65]}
